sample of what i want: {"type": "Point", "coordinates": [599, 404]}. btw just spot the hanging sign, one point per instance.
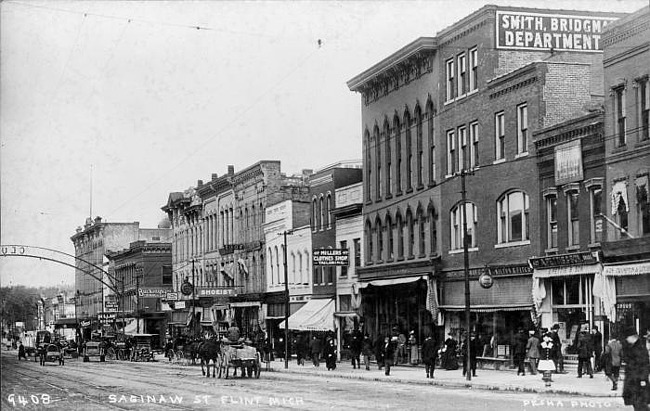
{"type": "Point", "coordinates": [486, 280]}
{"type": "Point", "coordinates": [187, 288]}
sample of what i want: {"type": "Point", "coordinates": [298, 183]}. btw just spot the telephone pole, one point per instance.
{"type": "Point", "coordinates": [466, 268]}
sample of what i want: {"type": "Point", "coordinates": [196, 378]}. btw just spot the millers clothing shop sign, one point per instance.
{"type": "Point", "coordinates": [538, 31]}
{"type": "Point", "coordinates": [331, 257]}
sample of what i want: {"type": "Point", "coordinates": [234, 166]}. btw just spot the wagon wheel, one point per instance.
{"type": "Point", "coordinates": [110, 353]}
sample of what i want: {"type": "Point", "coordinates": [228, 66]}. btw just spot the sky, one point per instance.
{"type": "Point", "coordinates": [108, 106]}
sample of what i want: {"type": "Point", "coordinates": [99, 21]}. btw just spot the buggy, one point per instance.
{"type": "Point", "coordinates": [94, 349]}
{"type": "Point", "coordinates": [142, 350]}
{"type": "Point", "coordinates": [245, 357]}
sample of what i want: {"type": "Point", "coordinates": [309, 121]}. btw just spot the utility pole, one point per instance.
{"type": "Point", "coordinates": [193, 306]}
{"type": "Point", "coordinates": [137, 303]}
{"type": "Point", "coordinates": [466, 268]}
{"type": "Point", "coordinates": [286, 303]}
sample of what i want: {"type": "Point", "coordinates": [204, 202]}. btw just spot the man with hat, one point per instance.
{"type": "Point", "coordinates": [532, 351]}
{"type": "Point", "coordinates": [636, 388]}
{"type": "Point", "coordinates": [558, 359]}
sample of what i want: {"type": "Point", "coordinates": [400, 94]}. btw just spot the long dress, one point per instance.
{"type": "Point", "coordinates": [448, 360]}
{"type": "Point", "coordinates": [415, 357]}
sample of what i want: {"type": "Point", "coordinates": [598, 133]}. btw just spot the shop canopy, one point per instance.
{"type": "Point", "coordinates": [488, 308]}
{"type": "Point", "coordinates": [567, 271]}
{"type": "Point", "coordinates": [316, 315]}
{"type": "Point", "coordinates": [392, 281]}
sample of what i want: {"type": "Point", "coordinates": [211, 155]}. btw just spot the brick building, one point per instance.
{"type": "Point", "coordinates": [626, 269]}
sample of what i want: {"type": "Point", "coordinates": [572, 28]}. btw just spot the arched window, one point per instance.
{"type": "Point", "coordinates": [400, 236]}
{"type": "Point", "coordinates": [378, 184]}
{"type": "Point", "coordinates": [307, 266]}
{"type": "Point", "coordinates": [300, 278]}
{"type": "Point", "coordinates": [422, 236]}
{"type": "Point", "coordinates": [329, 210]}
{"type": "Point", "coordinates": [433, 231]}
{"type": "Point", "coordinates": [322, 212]}
{"type": "Point", "coordinates": [293, 268]}
{"type": "Point", "coordinates": [369, 242]}
{"type": "Point", "coordinates": [277, 264]}
{"type": "Point", "coordinates": [380, 239]}
{"type": "Point", "coordinates": [512, 213]}
{"type": "Point", "coordinates": [411, 233]}
{"type": "Point", "coordinates": [398, 154]}
{"type": "Point", "coordinates": [390, 238]}
{"type": "Point", "coordinates": [388, 156]}
{"type": "Point", "coordinates": [432, 143]}
{"type": "Point", "coordinates": [418, 145]}
{"type": "Point", "coordinates": [368, 165]}
{"type": "Point", "coordinates": [409, 151]}
{"type": "Point", "coordinates": [457, 226]}
{"type": "Point", "coordinates": [314, 214]}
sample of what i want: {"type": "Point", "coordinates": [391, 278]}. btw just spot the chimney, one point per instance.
{"type": "Point", "coordinates": [199, 183]}
{"type": "Point", "coordinates": [231, 170]}
{"type": "Point", "coordinates": [98, 220]}
{"type": "Point", "coordinates": [214, 176]}
{"type": "Point", "coordinates": [306, 172]}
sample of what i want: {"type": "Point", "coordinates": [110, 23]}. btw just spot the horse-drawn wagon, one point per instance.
{"type": "Point", "coordinates": [142, 347]}
{"type": "Point", "coordinates": [94, 349]}
{"type": "Point", "coordinates": [244, 356]}
{"type": "Point", "coordinates": [51, 353]}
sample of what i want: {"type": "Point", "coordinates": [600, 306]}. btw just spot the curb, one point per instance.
{"type": "Point", "coordinates": [451, 384]}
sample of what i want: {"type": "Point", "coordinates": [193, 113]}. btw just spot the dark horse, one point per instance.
{"type": "Point", "coordinates": [209, 350]}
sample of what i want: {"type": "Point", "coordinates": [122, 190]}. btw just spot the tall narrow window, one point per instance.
{"type": "Point", "coordinates": [473, 69]}
{"type": "Point", "coordinates": [451, 152]}
{"type": "Point", "coordinates": [620, 207]}
{"type": "Point", "coordinates": [390, 238]}
{"type": "Point", "coordinates": [418, 146]}
{"type": "Point", "coordinates": [572, 215]}
{"type": "Point", "coordinates": [369, 242]}
{"type": "Point", "coordinates": [463, 153]}
{"type": "Point", "coordinates": [411, 233]}
{"type": "Point", "coordinates": [322, 212]}
{"type": "Point", "coordinates": [595, 189]}
{"type": "Point", "coordinates": [644, 108]}
{"type": "Point", "coordinates": [462, 74]}
{"type": "Point", "coordinates": [499, 136]}
{"type": "Point", "coordinates": [512, 209]}
{"type": "Point", "coordinates": [522, 129]}
{"type": "Point", "coordinates": [457, 226]}
{"type": "Point", "coordinates": [357, 252]}
{"type": "Point", "coordinates": [432, 144]}
{"type": "Point", "coordinates": [378, 185]}
{"type": "Point", "coordinates": [451, 80]}
{"type": "Point", "coordinates": [619, 113]}
{"type": "Point", "coordinates": [398, 156]}
{"type": "Point", "coordinates": [473, 137]}
{"type": "Point", "coordinates": [368, 166]}
{"type": "Point", "coordinates": [388, 156]}
{"type": "Point", "coordinates": [642, 204]}
{"type": "Point", "coordinates": [400, 236]}
{"type": "Point", "coordinates": [344, 268]}
{"type": "Point", "coordinates": [409, 151]}
{"type": "Point", "coordinates": [329, 210]}
{"type": "Point", "coordinates": [380, 240]}
{"type": "Point", "coordinates": [433, 232]}
{"type": "Point", "coordinates": [422, 234]}
{"type": "Point", "coordinates": [314, 214]}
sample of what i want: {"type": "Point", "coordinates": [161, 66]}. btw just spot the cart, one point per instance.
{"type": "Point", "coordinates": [94, 349]}
{"type": "Point", "coordinates": [244, 357]}
{"type": "Point", "coordinates": [51, 353]}
{"type": "Point", "coordinates": [142, 350]}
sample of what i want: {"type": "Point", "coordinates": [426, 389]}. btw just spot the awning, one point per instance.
{"type": "Point", "coordinates": [487, 308]}
{"type": "Point", "coordinates": [316, 315]}
{"type": "Point", "coordinates": [392, 281]}
{"type": "Point", "coordinates": [567, 271]}
{"type": "Point", "coordinates": [245, 304]}
{"type": "Point", "coordinates": [619, 194]}
{"type": "Point", "coordinates": [627, 269]}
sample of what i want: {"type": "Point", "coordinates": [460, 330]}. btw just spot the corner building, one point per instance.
{"type": "Point", "coordinates": [505, 73]}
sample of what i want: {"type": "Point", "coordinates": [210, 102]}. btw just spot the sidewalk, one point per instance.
{"type": "Point", "coordinates": [506, 380]}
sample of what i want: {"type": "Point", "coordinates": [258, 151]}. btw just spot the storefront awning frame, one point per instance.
{"type": "Point", "coordinates": [488, 308]}
{"type": "Point", "coordinates": [567, 271]}
{"type": "Point", "coordinates": [391, 281]}
{"type": "Point", "coordinates": [627, 269]}
{"type": "Point", "coordinates": [316, 315]}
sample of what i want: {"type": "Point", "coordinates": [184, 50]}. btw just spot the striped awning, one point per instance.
{"type": "Point", "coordinates": [487, 308]}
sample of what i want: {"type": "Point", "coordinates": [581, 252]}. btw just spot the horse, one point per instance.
{"type": "Point", "coordinates": [209, 350]}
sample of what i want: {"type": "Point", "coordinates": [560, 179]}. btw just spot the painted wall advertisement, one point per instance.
{"type": "Point", "coordinates": [538, 31]}
{"type": "Point", "coordinates": [568, 162]}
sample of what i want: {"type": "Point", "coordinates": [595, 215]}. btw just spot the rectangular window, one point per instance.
{"type": "Point", "coordinates": [619, 113]}
{"type": "Point", "coordinates": [499, 136]}
{"type": "Point", "coordinates": [596, 198]}
{"type": "Point", "coordinates": [346, 302]}
{"type": "Point", "coordinates": [642, 204]}
{"type": "Point", "coordinates": [357, 252]}
{"type": "Point", "coordinates": [462, 74]}
{"type": "Point", "coordinates": [473, 138]}
{"type": "Point", "coordinates": [473, 69]}
{"type": "Point", "coordinates": [644, 108]}
{"type": "Point", "coordinates": [572, 214]}
{"type": "Point", "coordinates": [522, 129]}
{"type": "Point", "coordinates": [551, 217]}
{"type": "Point", "coordinates": [167, 276]}
{"type": "Point", "coordinates": [451, 80]}
{"type": "Point", "coordinates": [463, 153]}
{"type": "Point", "coordinates": [344, 268]}
{"type": "Point", "coordinates": [451, 152]}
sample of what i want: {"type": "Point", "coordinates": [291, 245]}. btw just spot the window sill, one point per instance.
{"type": "Point", "coordinates": [410, 257]}
{"type": "Point", "coordinates": [499, 161]}
{"type": "Point", "coordinates": [420, 186]}
{"type": "Point", "coordinates": [399, 193]}
{"type": "Point", "coordinates": [432, 184]}
{"type": "Point", "coordinates": [642, 143]}
{"type": "Point", "coordinates": [619, 149]}
{"type": "Point", "coordinates": [449, 175]}
{"type": "Point", "coordinates": [550, 251]}
{"type": "Point", "coordinates": [572, 249]}
{"type": "Point", "coordinates": [409, 190]}
{"type": "Point", "coordinates": [460, 251]}
{"type": "Point", "coordinates": [593, 245]}
{"type": "Point", "coordinates": [390, 260]}
{"type": "Point", "coordinates": [512, 244]}
{"type": "Point", "coordinates": [400, 258]}
{"type": "Point", "coordinates": [388, 196]}
{"type": "Point", "coordinates": [521, 155]}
